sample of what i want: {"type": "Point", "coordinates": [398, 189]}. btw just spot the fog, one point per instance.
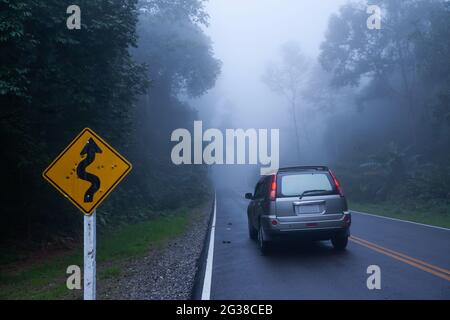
{"type": "Point", "coordinates": [247, 36]}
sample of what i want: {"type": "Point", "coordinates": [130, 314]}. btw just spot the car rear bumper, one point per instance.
{"type": "Point", "coordinates": [320, 228]}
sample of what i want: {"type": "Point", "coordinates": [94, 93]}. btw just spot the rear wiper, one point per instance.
{"type": "Point", "coordinates": [311, 191]}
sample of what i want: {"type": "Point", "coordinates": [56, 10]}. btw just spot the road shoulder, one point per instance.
{"type": "Point", "coordinates": [167, 273]}
{"type": "Point", "coordinates": [423, 216]}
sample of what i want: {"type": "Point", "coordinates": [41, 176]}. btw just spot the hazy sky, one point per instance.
{"type": "Point", "coordinates": [246, 34]}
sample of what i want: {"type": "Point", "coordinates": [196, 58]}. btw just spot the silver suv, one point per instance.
{"type": "Point", "coordinates": [305, 202]}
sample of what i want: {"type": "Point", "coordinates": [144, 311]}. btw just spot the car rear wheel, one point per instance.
{"type": "Point", "coordinates": [339, 242]}
{"type": "Point", "coordinates": [252, 232]}
{"type": "Point", "coordinates": [263, 244]}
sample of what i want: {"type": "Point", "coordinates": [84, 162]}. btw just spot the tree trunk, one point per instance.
{"type": "Point", "coordinates": [297, 139]}
{"type": "Point", "coordinates": [409, 95]}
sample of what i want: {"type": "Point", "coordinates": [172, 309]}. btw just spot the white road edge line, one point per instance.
{"type": "Point", "coordinates": [206, 292]}
{"type": "Point", "coordinates": [407, 221]}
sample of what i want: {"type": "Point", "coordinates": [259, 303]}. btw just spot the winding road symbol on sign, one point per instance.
{"type": "Point", "coordinates": [90, 150]}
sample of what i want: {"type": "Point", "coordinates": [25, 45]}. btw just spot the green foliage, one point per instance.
{"type": "Point", "coordinates": [433, 50]}
{"type": "Point", "coordinates": [111, 272]}
{"type": "Point", "coordinates": [55, 81]}
{"type": "Point", "coordinates": [178, 53]}
{"type": "Point", "coordinates": [354, 52]}
{"type": "Point", "coordinates": [405, 62]}
{"type": "Point", "coordinates": [395, 174]}
{"type": "Point", "coordinates": [180, 63]}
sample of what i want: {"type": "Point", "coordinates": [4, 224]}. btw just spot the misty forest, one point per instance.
{"type": "Point", "coordinates": [374, 105]}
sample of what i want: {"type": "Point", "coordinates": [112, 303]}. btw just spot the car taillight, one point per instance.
{"type": "Point", "coordinates": [273, 188]}
{"type": "Point", "coordinates": [347, 219]}
{"type": "Point", "coordinates": [337, 184]}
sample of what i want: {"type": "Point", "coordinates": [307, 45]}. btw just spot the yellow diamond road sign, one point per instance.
{"type": "Point", "coordinates": [87, 171]}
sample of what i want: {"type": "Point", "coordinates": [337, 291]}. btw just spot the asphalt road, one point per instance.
{"type": "Point", "coordinates": [414, 261]}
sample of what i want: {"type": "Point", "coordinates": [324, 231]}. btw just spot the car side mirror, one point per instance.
{"type": "Point", "coordinates": [249, 196]}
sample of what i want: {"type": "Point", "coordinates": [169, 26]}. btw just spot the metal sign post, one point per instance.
{"type": "Point", "coordinates": [89, 256]}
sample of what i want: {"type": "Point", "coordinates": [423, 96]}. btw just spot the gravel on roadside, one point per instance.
{"type": "Point", "coordinates": [166, 273]}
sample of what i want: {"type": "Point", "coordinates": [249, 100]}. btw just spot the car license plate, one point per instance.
{"type": "Point", "coordinates": [308, 209]}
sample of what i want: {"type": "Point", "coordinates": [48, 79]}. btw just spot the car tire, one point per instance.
{"type": "Point", "coordinates": [264, 245]}
{"type": "Point", "coordinates": [339, 242]}
{"type": "Point", "coordinates": [252, 232]}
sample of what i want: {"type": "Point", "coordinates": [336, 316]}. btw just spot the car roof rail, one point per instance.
{"type": "Point", "coordinates": [318, 168]}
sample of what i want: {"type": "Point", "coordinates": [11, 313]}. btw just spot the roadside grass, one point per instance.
{"type": "Point", "coordinates": [47, 279]}
{"type": "Point", "coordinates": [432, 214]}
{"type": "Point", "coordinates": [111, 272]}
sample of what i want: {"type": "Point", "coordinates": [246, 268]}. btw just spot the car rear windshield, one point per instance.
{"type": "Point", "coordinates": [296, 184]}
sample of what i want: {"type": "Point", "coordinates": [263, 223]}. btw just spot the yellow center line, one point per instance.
{"type": "Point", "coordinates": [437, 271]}
{"type": "Point", "coordinates": [404, 256]}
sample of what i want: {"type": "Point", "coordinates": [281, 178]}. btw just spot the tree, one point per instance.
{"type": "Point", "coordinates": [53, 82]}
{"type": "Point", "coordinates": [173, 45]}
{"type": "Point", "coordinates": [288, 78]}
{"type": "Point", "coordinates": [433, 52]}
{"type": "Point", "coordinates": [384, 62]}
{"type": "Point", "coordinates": [181, 64]}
